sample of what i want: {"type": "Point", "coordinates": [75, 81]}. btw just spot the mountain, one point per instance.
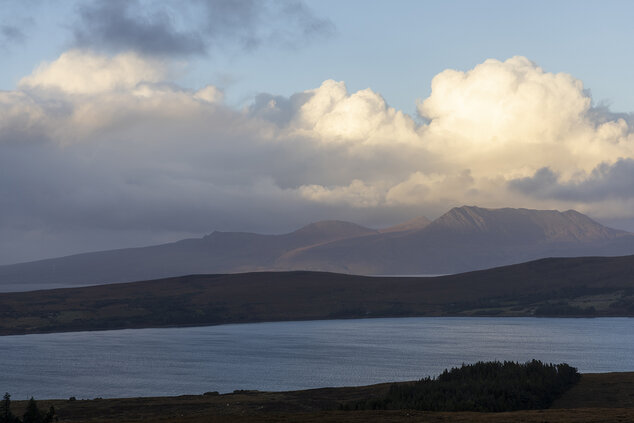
{"type": "Point", "coordinates": [467, 238]}
{"type": "Point", "coordinates": [463, 239]}
{"type": "Point", "coordinates": [588, 286]}
{"type": "Point", "coordinates": [215, 253]}
{"type": "Point", "coordinates": [523, 224]}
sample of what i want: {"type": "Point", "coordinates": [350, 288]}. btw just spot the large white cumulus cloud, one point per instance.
{"type": "Point", "coordinates": [81, 93]}
{"type": "Point", "coordinates": [505, 102]}
{"type": "Point", "coordinates": [101, 151]}
{"type": "Point", "coordinates": [515, 118]}
{"type": "Point", "coordinates": [333, 115]}
{"type": "Point", "coordinates": [82, 72]}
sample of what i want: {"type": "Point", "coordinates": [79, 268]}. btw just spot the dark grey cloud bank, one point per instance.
{"type": "Point", "coordinates": [194, 27]}
{"type": "Point", "coordinates": [122, 24]}
{"type": "Point", "coordinates": [606, 181]}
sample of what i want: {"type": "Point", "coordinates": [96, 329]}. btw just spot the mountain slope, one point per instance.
{"type": "Point", "coordinates": [523, 224]}
{"type": "Point", "coordinates": [214, 253]}
{"type": "Point", "coordinates": [468, 238]}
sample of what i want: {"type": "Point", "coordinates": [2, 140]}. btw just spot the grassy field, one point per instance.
{"type": "Point", "coordinates": [550, 287]}
{"type": "Point", "coordinates": [606, 397]}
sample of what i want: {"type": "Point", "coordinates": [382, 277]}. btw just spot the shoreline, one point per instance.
{"type": "Point", "coordinates": [2, 334]}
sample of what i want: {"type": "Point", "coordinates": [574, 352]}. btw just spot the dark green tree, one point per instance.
{"type": "Point", "coordinates": [32, 413]}
{"type": "Point", "coordinates": [483, 386]}
{"type": "Point", "coordinates": [5, 412]}
{"type": "Point", "coordinates": [50, 416]}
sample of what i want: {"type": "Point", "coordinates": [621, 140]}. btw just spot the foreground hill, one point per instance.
{"type": "Point", "coordinates": [594, 286]}
{"type": "Point", "coordinates": [597, 398]}
{"type": "Point", "coordinates": [464, 239]}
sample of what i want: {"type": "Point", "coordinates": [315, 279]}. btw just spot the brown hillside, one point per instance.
{"type": "Point", "coordinates": [549, 287]}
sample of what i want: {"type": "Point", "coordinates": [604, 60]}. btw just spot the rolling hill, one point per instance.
{"type": "Point", "coordinates": [589, 286]}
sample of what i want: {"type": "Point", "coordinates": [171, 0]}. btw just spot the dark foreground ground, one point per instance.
{"type": "Point", "coordinates": [601, 397]}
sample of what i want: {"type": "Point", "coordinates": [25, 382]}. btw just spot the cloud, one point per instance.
{"type": "Point", "coordinates": [97, 149]}
{"type": "Point", "coordinates": [431, 188]}
{"type": "Point", "coordinates": [329, 114]}
{"type": "Point", "coordinates": [120, 25]}
{"type": "Point", "coordinates": [278, 109]}
{"type": "Point", "coordinates": [512, 118]}
{"type": "Point", "coordinates": [333, 115]}
{"type": "Point", "coordinates": [17, 20]}
{"type": "Point", "coordinates": [356, 194]}
{"type": "Point", "coordinates": [605, 182]}
{"type": "Point", "coordinates": [505, 102]}
{"type": "Point", "coordinates": [250, 23]}
{"type": "Point", "coordinates": [11, 34]}
{"type": "Point", "coordinates": [83, 72]}
{"type": "Point", "coordinates": [81, 93]}
{"type": "Point", "coordinates": [194, 27]}
{"type": "Point", "coordinates": [13, 31]}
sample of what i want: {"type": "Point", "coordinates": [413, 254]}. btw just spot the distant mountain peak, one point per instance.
{"type": "Point", "coordinates": [465, 218]}
{"type": "Point", "coordinates": [551, 225]}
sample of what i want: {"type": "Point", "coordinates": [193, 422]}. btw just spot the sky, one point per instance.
{"type": "Point", "coordinates": [129, 123]}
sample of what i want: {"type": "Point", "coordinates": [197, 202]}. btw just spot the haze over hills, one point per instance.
{"type": "Point", "coordinates": [219, 252]}
{"type": "Point", "coordinates": [468, 238]}
{"type": "Point", "coordinates": [414, 224]}
{"type": "Point", "coordinates": [463, 239]}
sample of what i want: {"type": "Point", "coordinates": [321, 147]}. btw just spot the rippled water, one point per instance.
{"type": "Point", "coordinates": [296, 355]}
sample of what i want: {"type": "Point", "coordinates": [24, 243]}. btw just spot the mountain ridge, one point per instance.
{"type": "Point", "coordinates": [469, 238]}
{"type": "Point", "coordinates": [463, 239]}
{"type": "Point", "coordinates": [575, 225]}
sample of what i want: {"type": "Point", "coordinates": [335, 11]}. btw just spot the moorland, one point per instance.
{"type": "Point", "coordinates": [557, 287]}
{"type": "Point", "coordinates": [600, 397]}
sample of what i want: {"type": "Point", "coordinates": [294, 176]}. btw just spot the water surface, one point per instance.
{"type": "Point", "coordinates": [296, 355]}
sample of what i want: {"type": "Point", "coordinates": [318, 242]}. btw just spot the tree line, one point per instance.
{"type": "Point", "coordinates": [484, 386]}
{"type": "Point", "coordinates": [32, 414]}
